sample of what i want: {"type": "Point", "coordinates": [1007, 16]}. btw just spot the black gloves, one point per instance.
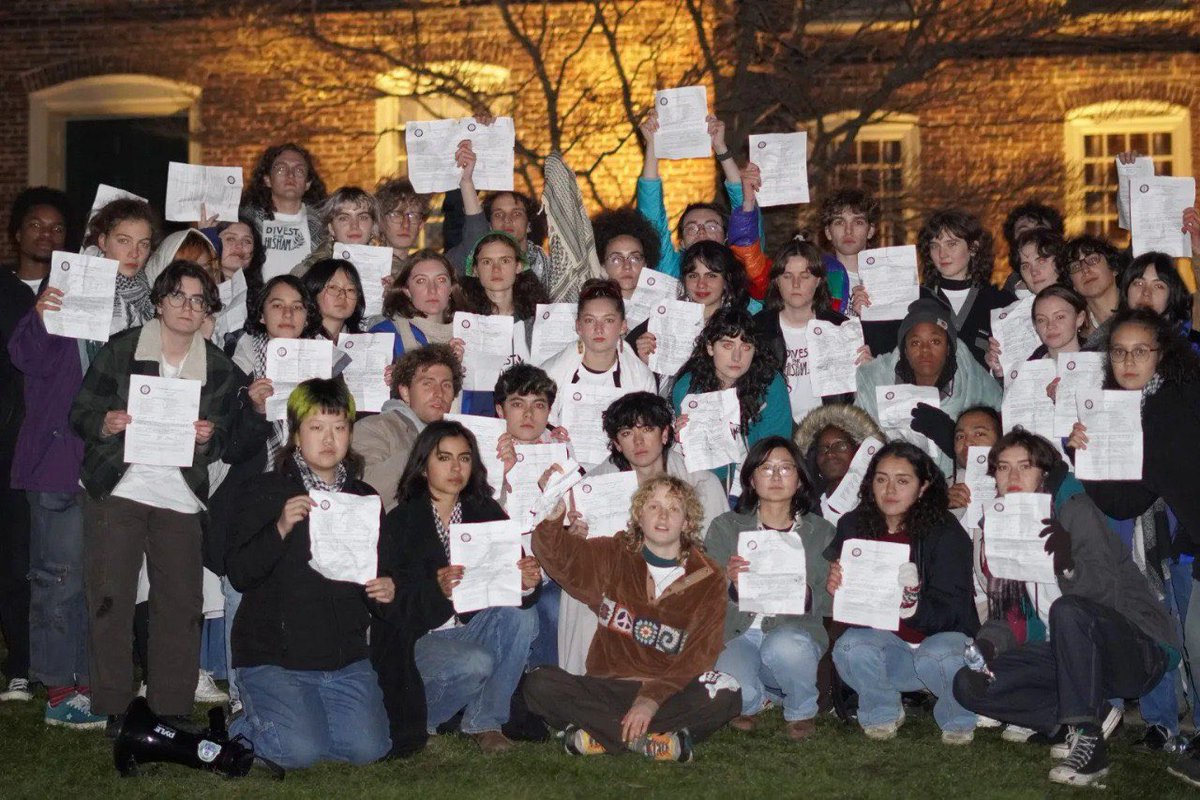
{"type": "Point", "coordinates": [936, 425]}
{"type": "Point", "coordinates": [1058, 544]}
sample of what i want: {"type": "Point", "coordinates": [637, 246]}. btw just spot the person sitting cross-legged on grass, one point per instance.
{"type": "Point", "coordinates": [903, 500]}
{"type": "Point", "coordinates": [649, 685]}
{"type": "Point", "coordinates": [775, 656]}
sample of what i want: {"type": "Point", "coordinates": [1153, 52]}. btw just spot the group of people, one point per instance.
{"type": "Point", "coordinates": [629, 642]}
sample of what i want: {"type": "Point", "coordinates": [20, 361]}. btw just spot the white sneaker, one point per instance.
{"type": "Point", "coordinates": [958, 737]}
{"type": "Point", "coordinates": [987, 722]}
{"type": "Point", "coordinates": [207, 690]}
{"type": "Point", "coordinates": [1015, 733]}
{"type": "Point", "coordinates": [18, 690]}
{"type": "Point", "coordinates": [881, 733]}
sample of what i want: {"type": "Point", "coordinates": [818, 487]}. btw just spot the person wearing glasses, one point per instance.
{"type": "Point", "coordinates": [348, 216]}
{"type": "Point", "coordinates": [829, 437]}
{"type": "Point", "coordinates": [133, 511]}
{"type": "Point", "coordinates": [402, 215]}
{"type": "Point", "coordinates": [335, 285]}
{"type": "Point", "coordinates": [774, 657]}
{"type": "Point", "coordinates": [284, 191]}
{"type": "Point", "coordinates": [626, 244]}
{"type": "Point", "coordinates": [1093, 265]}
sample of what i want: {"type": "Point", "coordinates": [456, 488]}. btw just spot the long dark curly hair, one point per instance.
{"type": "Point", "coordinates": [733, 323]}
{"type": "Point", "coordinates": [966, 227]}
{"type": "Point", "coordinates": [1177, 361]}
{"type": "Point", "coordinates": [527, 290]}
{"type": "Point", "coordinates": [930, 507]}
{"type": "Point", "coordinates": [258, 194]}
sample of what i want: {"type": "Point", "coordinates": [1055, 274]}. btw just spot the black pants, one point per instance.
{"type": "Point", "coordinates": [1094, 654]}
{"type": "Point", "coordinates": [598, 704]}
{"type": "Point", "coordinates": [14, 581]}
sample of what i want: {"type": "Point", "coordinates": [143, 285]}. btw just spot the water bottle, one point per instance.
{"type": "Point", "coordinates": [975, 661]}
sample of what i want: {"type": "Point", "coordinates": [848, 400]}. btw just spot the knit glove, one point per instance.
{"type": "Point", "coordinates": [936, 425]}
{"type": "Point", "coordinates": [1058, 544]}
{"type": "Point", "coordinates": [910, 582]}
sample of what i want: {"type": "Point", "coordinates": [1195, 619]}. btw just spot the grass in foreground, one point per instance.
{"type": "Point", "coordinates": [37, 761]}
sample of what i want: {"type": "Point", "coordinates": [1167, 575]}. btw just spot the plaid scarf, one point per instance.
{"type": "Point", "coordinates": [278, 435]}
{"type": "Point", "coordinates": [443, 531]}
{"type": "Point", "coordinates": [312, 481]}
{"type": "Point", "coordinates": [131, 303]}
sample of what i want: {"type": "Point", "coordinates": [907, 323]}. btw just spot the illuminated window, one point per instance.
{"type": "Point", "coordinates": [883, 160]}
{"type": "Point", "coordinates": [1096, 134]}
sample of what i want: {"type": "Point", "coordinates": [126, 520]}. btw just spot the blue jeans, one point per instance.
{"type": "Point", "coordinates": [1160, 706]}
{"type": "Point", "coordinates": [299, 717]}
{"type": "Point", "coordinates": [780, 664]}
{"type": "Point", "coordinates": [545, 646]}
{"type": "Point", "coordinates": [475, 668]}
{"type": "Point", "coordinates": [233, 599]}
{"type": "Point", "coordinates": [879, 665]}
{"type": "Point", "coordinates": [58, 619]}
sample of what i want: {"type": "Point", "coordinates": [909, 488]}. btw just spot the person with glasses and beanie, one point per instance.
{"type": "Point", "coordinates": [774, 657]}
{"type": "Point", "coordinates": [136, 510]}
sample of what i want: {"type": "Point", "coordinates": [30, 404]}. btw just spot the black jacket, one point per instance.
{"type": "Point", "coordinates": [290, 616]}
{"type": "Point", "coordinates": [15, 301]}
{"type": "Point", "coordinates": [771, 331]}
{"type": "Point", "coordinates": [975, 327]}
{"type": "Point", "coordinates": [944, 562]}
{"type": "Point", "coordinates": [411, 553]}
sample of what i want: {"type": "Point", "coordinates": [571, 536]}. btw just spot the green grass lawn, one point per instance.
{"type": "Point", "coordinates": [37, 761]}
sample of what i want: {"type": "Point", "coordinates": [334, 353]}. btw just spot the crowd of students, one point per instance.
{"type": "Point", "coordinates": [633, 642]}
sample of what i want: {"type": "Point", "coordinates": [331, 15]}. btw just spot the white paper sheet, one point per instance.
{"type": "Point", "coordinates": [653, 287]}
{"type": "Point", "coordinates": [556, 489]}
{"type": "Point", "coordinates": [895, 404]}
{"type": "Point", "coordinates": [1076, 372]}
{"type": "Point", "coordinates": [286, 244]}
{"type": "Point", "coordinates": [89, 286]}
{"type": "Point", "coordinates": [776, 579]}
{"type": "Point", "coordinates": [190, 186]}
{"type": "Point", "coordinates": [889, 274]}
{"type": "Point", "coordinates": [290, 362]}
{"type": "Point", "coordinates": [431, 146]}
{"type": "Point", "coordinates": [1012, 327]}
{"type": "Point", "coordinates": [604, 501]}
{"type": "Point", "coordinates": [832, 350]}
{"type": "Point", "coordinates": [580, 413]}
{"type": "Point", "coordinates": [489, 552]}
{"type": "Point", "coordinates": [105, 194]}
{"type": "Point", "coordinates": [487, 347]}
{"type": "Point", "coordinates": [488, 431]}
{"type": "Point", "coordinates": [675, 325]}
{"type": "Point", "coordinates": [870, 593]}
{"type": "Point", "coordinates": [982, 485]}
{"type": "Point", "coordinates": [370, 354]}
{"type": "Point", "coordinates": [373, 265]}
{"type": "Point", "coordinates": [164, 412]}
{"type": "Point", "coordinates": [532, 462]}
{"type": "Point", "coordinates": [232, 316]}
{"type": "Point", "coordinates": [712, 437]}
{"type": "Point", "coordinates": [1142, 167]}
{"type": "Point", "coordinates": [343, 534]}
{"type": "Point", "coordinates": [1025, 400]}
{"type": "Point", "coordinates": [1012, 542]}
{"type": "Point", "coordinates": [553, 330]}
{"type": "Point", "coordinates": [783, 160]}
{"type": "Point", "coordinates": [682, 123]}
{"type": "Point", "coordinates": [1113, 419]}
{"type": "Point", "coordinates": [845, 497]}
{"type": "Point", "coordinates": [1156, 215]}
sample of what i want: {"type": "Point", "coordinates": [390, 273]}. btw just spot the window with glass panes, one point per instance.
{"type": "Point", "coordinates": [877, 164]}
{"type": "Point", "coordinates": [1100, 150]}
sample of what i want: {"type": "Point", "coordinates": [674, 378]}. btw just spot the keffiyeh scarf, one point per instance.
{"type": "Point", "coordinates": [571, 242]}
{"type": "Point", "coordinates": [278, 427]}
{"type": "Point", "coordinates": [443, 531]}
{"type": "Point", "coordinates": [131, 303]}
{"type": "Point", "coordinates": [314, 482]}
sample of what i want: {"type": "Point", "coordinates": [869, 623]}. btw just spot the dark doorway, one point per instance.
{"type": "Point", "coordinates": [130, 153]}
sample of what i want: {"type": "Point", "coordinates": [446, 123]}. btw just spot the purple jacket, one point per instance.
{"type": "Point", "coordinates": [48, 453]}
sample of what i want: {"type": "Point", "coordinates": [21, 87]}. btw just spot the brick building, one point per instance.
{"type": "Point", "coordinates": [92, 85]}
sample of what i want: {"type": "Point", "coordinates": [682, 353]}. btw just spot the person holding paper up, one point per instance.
{"type": "Point", "coordinates": [849, 221]}
{"type": "Point", "coordinates": [904, 502]}
{"type": "Point", "coordinates": [432, 661]}
{"type": "Point", "coordinates": [829, 437]}
{"type": "Point", "coordinates": [133, 510]}
{"type": "Point", "coordinates": [649, 687]}
{"type": "Point", "coordinates": [775, 656]}
{"type": "Point", "coordinates": [1109, 635]}
{"type": "Point", "coordinates": [299, 640]}
{"type": "Point", "coordinates": [730, 354]}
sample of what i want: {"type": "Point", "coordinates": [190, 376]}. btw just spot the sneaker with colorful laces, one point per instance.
{"type": "Point", "coordinates": [665, 746]}
{"type": "Point", "coordinates": [75, 713]}
{"type": "Point", "coordinates": [579, 742]}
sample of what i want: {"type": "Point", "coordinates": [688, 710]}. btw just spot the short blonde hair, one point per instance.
{"type": "Point", "coordinates": [693, 514]}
